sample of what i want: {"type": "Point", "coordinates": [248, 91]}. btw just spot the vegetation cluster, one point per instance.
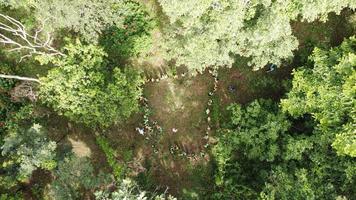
{"type": "Point", "coordinates": [177, 99]}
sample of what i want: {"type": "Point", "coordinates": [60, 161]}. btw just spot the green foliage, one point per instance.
{"type": "Point", "coordinates": [7, 107]}
{"type": "Point", "coordinates": [85, 90]}
{"type": "Point", "coordinates": [73, 177]}
{"type": "Point", "coordinates": [345, 142]}
{"type": "Point", "coordinates": [327, 92]}
{"type": "Point", "coordinates": [209, 33]}
{"type": "Point", "coordinates": [250, 141]}
{"type": "Point", "coordinates": [263, 154]}
{"type": "Point", "coordinates": [295, 147]}
{"type": "Point", "coordinates": [285, 185]}
{"type": "Point", "coordinates": [352, 21]}
{"type": "Point", "coordinates": [21, 117]}
{"type": "Point", "coordinates": [257, 128]}
{"type": "Point", "coordinates": [6, 84]}
{"type": "Point", "coordinates": [111, 157]}
{"type": "Point", "coordinates": [27, 150]}
{"type": "Point", "coordinates": [37, 191]}
{"type": "Point", "coordinates": [303, 148]}
{"type": "Point", "coordinates": [87, 17]}
{"type": "Point", "coordinates": [17, 3]}
{"type": "Point", "coordinates": [11, 197]}
{"type": "Point", "coordinates": [319, 9]}
{"type": "Point", "coordinates": [133, 37]}
{"type": "Point", "coordinates": [13, 117]}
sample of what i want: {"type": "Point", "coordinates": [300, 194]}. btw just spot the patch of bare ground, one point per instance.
{"type": "Point", "coordinates": [178, 107]}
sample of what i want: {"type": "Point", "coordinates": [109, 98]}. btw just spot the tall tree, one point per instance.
{"type": "Point", "coordinates": [327, 91]}
{"type": "Point", "coordinates": [14, 34]}
{"type": "Point", "coordinates": [84, 89]}
{"type": "Point", "coordinates": [209, 33]}
{"type": "Point", "coordinates": [89, 18]}
{"type": "Point", "coordinates": [262, 155]}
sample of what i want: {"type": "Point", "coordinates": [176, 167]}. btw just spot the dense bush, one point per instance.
{"type": "Point", "coordinates": [251, 140]}
{"type": "Point", "coordinates": [262, 155]}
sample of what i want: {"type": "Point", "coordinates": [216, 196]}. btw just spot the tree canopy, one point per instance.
{"type": "Point", "coordinates": [88, 18]}
{"type": "Point", "coordinates": [83, 88]}
{"type": "Point", "coordinates": [260, 155]}
{"type": "Point", "coordinates": [209, 33]}
{"type": "Point", "coordinates": [100, 99]}
{"type": "Point", "coordinates": [283, 151]}
{"type": "Point", "coordinates": [73, 175]}
{"type": "Point", "coordinates": [327, 92]}
{"type": "Point", "coordinates": [27, 150]}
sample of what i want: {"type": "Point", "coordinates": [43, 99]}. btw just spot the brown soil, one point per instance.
{"type": "Point", "coordinates": [175, 104]}
{"type": "Point", "coordinates": [180, 105]}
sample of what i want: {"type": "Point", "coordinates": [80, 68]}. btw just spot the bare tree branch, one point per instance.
{"type": "Point", "coordinates": [19, 78]}
{"type": "Point", "coordinates": [13, 33]}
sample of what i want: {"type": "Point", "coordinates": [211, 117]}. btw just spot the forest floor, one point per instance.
{"type": "Point", "coordinates": [178, 107]}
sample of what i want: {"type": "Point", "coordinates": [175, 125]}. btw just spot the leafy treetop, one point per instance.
{"type": "Point", "coordinates": [85, 90]}
{"type": "Point", "coordinates": [209, 33]}
{"type": "Point", "coordinates": [327, 91]}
